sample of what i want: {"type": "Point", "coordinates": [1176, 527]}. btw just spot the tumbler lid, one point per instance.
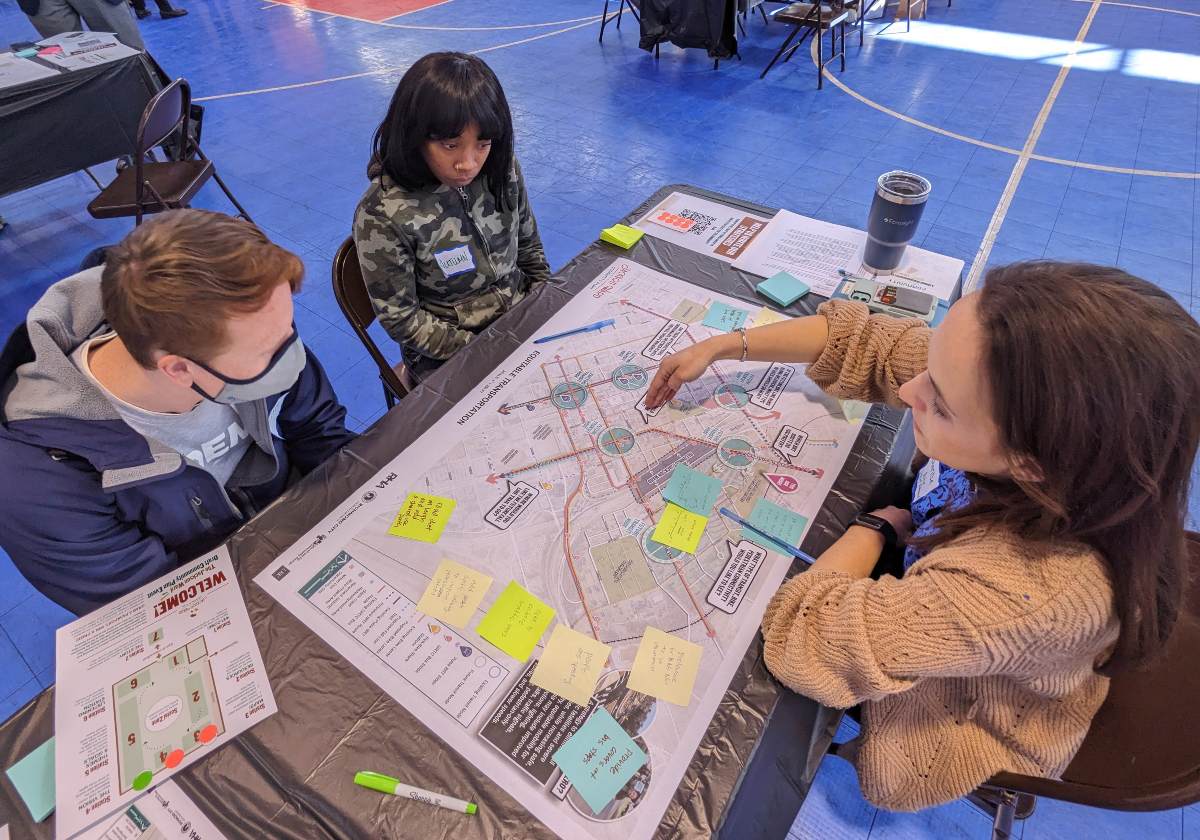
{"type": "Point", "coordinates": [900, 187]}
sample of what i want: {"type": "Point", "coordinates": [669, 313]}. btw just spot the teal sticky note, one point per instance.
{"type": "Point", "coordinates": [599, 759]}
{"type": "Point", "coordinates": [723, 317]}
{"type": "Point", "coordinates": [783, 288]}
{"type": "Point", "coordinates": [33, 777]}
{"type": "Point", "coordinates": [778, 521]}
{"type": "Point", "coordinates": [692, 490]}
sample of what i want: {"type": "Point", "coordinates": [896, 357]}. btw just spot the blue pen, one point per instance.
{"type": "Point", "coordinates": [589, 328]}
{"type": "Point", "coordinates": [779, 544]}
{"type": "Point", "coordinates": [599, 325]}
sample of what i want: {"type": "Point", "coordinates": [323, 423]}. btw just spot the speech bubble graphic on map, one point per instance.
{"type": "Point", "coordinates": [789, 442]}
{"type": "Point", "coordinates": [664, 340]}
{"type": "Point", "coordinates": [767, 392]}
{"type": "Point", "coordinates": [646, 412]}
{"type": "Point", "coordinates": [730, 587]}
{"type": "Point", "coordinates": [511, 505]}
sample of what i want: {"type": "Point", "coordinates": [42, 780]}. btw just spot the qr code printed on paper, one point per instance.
{"type": "Point", "coordinates": [701, 222]}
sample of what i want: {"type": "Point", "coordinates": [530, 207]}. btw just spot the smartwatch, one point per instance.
{"type": "Point", "coordinates": [877, 523]}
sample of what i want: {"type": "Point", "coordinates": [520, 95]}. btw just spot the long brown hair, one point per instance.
{"type": "Point", "coordinates": [1095, 379]}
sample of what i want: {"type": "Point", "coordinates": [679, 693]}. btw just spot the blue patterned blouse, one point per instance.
{"type": "Point", "coordinates": [952, 492]}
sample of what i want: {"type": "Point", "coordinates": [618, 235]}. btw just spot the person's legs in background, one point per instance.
{"type": "Point", "coordinates": [103, 16]}
{"type": "Point", "coordinates": [166, 10]}
{"type": "Point", "coordinates": [55, 17]}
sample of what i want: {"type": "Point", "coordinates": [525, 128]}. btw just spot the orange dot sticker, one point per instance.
{"type": "Point", "coordinates": [173, 759]}
{"type": "Point", "coordinates": [142, 780]}
{"type": "Point", "coordinates": [208, 733]}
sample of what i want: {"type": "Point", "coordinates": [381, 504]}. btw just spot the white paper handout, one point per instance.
{"type": "Point", "coordinates": [707, 227]}
{"type": "Point", "coordinates": [81, 50]}
{"type": "Point", "coordinates": [558, 438]}
{"type": "Point", "coordinates": [150, 683]}
{"type": "Point", "coordinates": [813, 251]}
{"type": "Point", "coordinates": [17, 71]}
{"type": "Point", "coordinates": [164, 813]}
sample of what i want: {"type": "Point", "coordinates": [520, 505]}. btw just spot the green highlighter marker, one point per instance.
{"type": "Point", "coordinates": [386, 784]}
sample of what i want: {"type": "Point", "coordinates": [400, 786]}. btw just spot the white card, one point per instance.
{"type": "Point", "coordinates": [455, 261]}
{"type": "Point", "coordinates": [927, 479]}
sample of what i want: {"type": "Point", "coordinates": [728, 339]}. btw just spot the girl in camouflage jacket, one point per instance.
{"type": "Point", "coordinates": [445, 236]}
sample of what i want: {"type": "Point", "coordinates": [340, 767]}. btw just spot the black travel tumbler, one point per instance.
{"type": "Point", "coordinates": [895, 213]}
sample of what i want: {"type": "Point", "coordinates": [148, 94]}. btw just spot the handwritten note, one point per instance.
{"type": "Point", "coordinates": [665, 667]}
{"type": "Point", "coordinates": [680, 528]}
{"type": "Point", "coordinates": [453, 593]}
{"type": "Point", "coordinates": [722, 316]}
{"type": "Point", "coordinates": [571, 664]}
{"type": "Point", "coordinates": [516, 621]}
{"type": "Point", "coordinates": [422, 517]}
{"type": "Point", "coordinates": [599, 759]}
{"type": "Point", "coordinates": [778, 521]}
{"type": "Point", "coordinates": [692, 490]}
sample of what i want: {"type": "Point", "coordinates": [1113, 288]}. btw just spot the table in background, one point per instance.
{"type": "Point", "coordinates": [291, 776]}
{"type": "Point", "coordinates": [61, 124]}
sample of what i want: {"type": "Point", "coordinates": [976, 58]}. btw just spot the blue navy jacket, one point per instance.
{"type": "Point", "coordinates": [91, 509]}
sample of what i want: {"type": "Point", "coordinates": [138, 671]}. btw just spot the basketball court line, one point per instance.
{"type": "Point", "coordinates": [1144, 7]}
{"type": "Point", "coordinates": [385, 70]}
{"type": "Point", "coordinates": [386, 22]}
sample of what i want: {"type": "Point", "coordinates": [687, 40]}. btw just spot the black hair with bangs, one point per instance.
{"type": "Point", "coordinates": [437, 99]}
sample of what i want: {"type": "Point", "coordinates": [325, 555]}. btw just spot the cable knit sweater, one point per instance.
{"type": "Point", "coordinates": [980, 659]}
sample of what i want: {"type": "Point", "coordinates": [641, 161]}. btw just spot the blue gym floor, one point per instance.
{"type": "Point", "coordinates": [292, 96]}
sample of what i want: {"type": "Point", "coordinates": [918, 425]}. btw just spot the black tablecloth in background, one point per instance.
{"type": "Point", "coordinates": [292, 775]}
{"type": "Point", "coordinates": [58, 125]}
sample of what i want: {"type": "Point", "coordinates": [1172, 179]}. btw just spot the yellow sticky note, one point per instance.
{"type": "Point", "coordinates": [665, 667]}
{"type": "Point", "coordinates": [422, 517]}
{"type": "Point", "coordinates": [623, 236]}
{"type": "Point", "coordinates": [680, 528]}
{"type": "Point", "coordinates": [516, 621]}
{"type": "Point", "coordinates": [767, 315]}
{"type": "Point", "coordinates": [453, 593]}
{"type": "Point", "coordinates": [571, 664]}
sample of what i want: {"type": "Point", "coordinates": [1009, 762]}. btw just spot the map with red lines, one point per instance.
{"type": "Point", "coordinates": [557, 470]}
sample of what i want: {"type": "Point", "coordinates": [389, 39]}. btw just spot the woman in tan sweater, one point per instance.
{"type": "Point", "coordinates": [1058, 407]}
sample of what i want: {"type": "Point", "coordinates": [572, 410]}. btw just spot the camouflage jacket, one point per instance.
{"type": "Point", "coordinates": [442, 263]}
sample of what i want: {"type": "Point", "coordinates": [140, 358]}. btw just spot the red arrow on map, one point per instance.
{"type": "Point", "coordinates": [774, 415]}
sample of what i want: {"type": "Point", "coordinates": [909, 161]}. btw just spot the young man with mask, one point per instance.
{"type": "Point", "coordinates": [150, 406]}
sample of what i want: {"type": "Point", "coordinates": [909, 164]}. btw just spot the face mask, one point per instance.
{"type": "Point", "coordinates": [280, 375]}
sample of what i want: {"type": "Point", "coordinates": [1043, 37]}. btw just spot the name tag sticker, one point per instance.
{"type": "Point", "coordinates": [927, 479]}
{"type": "Point", "coordinates": [455, 261]}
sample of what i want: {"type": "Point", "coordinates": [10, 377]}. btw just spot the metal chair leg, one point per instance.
{"type": "Point", "coordinates": [795, 31]}
{"type": "Point", "coordinates": [389, 399]}
{"type": "Point", "coordinates": [241, 210]}
{"type": "Point", "coordinates": [604, 20]}
{"type": "Point", "coordinates": [843, 53]}
{"type": "Point", "coordinates": [762, 12]}
{"type": "Point", "coordinates": [820, 61]}
{"type": "Point", "coordinates": [1003, 822]}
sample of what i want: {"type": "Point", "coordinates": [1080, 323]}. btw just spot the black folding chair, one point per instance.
{"type": "Point", "coordinates": [152, 187]}
{"type": "Point", "coordinates": [813, 19]}
{"type": "Point", "coordinates": [350, 290]}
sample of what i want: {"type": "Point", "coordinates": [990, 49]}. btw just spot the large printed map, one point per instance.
{"type": "Point", "coordinates": [557, 470]}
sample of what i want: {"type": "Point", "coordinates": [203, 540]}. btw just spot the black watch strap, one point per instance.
{"type": "Point", "coordinates": [877, 523]}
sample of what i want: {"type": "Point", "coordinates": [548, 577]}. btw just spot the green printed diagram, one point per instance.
{"type": "Point", "coordinates": [163, 712]}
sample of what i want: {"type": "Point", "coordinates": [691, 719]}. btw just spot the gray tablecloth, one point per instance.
{"type": "Point", "coordinates": [291, 776]}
